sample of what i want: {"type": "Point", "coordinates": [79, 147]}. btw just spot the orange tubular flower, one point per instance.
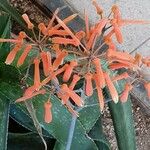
{"type": "Point", "coordinates": [98, 9]}
{"type": "Point", "coordinates": [91, 40]}
{"type": "Point", "coordinates": [50, 24]}
{"type": "Point", "coordinates": [24, 55]}
{"type": "Point", "coordinates": [57, 32]}
{"type": "Point", "coordinates": [69, 31]}
{"type": "Point", "coordinates": [147, 87]}
{"type": "Point", "coordinates": [80, 35]}
{"type": "Point", "coordinates": [65, 98]}
{"type": "Point", "coordinates": [46, 60]}
{"type": "Point", "coordinates": [119, 55]}
{"type": "Point", "coordinates": [120, 77]}
{"type": "Point", "coordinates": [54, 74]}
{"type": "Point", "coordinates": [65, 21]}
{"type": "Point", "coordinates": [138, 59]}
{"type": "Point", "coordinates": [109, 35]}
{"type": "Point", "coordinates": [69, 70]}
{"type": "Point", "coordinates": [129, 64]}
{"type": "Point", "coordinates": [22, 35]}
{"type": "Point", "coordinates": [111, 87]}
{"type": "Point", "coordinates": [116, 12]}
{"type": "Point", "coordinates": [18, 40]}
{"type": "Point", "coordinates": [43, 28]}
{"type": "Point", "coordinates": [101, 98]}
{"type": "Point", "coordinates": [43, 55]}
{"type": "Point", "coordinates": [72, 95]}
{"type": "Point", "coordinates": [92, 29]}
{"type": "Point", "coordinates": [10, 40]}
{"type": "Point", "coordinates": [37, 82]}
{"type": "Point", "coordinates": [146, 61]}
{"type": "Point", "coordinates": [117, 31]}
{"type": "Point", "coordinates": [28, 22]}
{"type": "Point", "coordinates": [11, 56]}
{"type": "Point", "coordinates": [99, 72]}
{"type": "Point", "coordinates": [76, 78]}
{"type": "Point", "coordinates": [148, 64]}
{"type": "Point", "coordinates": [57, 49]}
{"type": "Point", "coordinates": [124, 95]}
{"type": "Point", "coordinates": [99, 92]}
{"type": "Point", "coordinates": [87, 26]}
{"type": "Point", "coordinates": [49, 61]}
{"type": "Point", "coordinates": [29, 91]}
{"type": "Point", "coordinates": [110, 44]}
{"type": "Point", "coordinates": [97, 31]}
{"type": "Point", "coordinates": [59, 59]}
{"type": "Point", "coordinates": [47, 111]}
{"type": "Point", "coordinates": [126, 22]}
{"type": "Point", "coordinates": [115, 66]}
{"type": "Point", "coordinates": [121, 22]}
{"type": "Point", "coordinates": [60, 40]}
{"type": "Point", "coordinates": [101, 25]}
{"type": "Point", "coordinates": [88, 84]}
{"type": "Point", "coordinates": [30, 94]}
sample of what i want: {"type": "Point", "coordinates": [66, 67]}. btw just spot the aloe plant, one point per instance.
{"type": "Point", "coordinates": [87, 128]}
{"type": "Point", "coordinates": [10, 92]}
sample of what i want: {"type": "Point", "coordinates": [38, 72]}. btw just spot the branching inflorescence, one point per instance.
{"type": "Point", "coordinates": [92, 49]}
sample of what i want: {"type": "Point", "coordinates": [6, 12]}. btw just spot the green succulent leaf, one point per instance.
{"type": "Point", "coordinates": [9, 74]}
{"type": "Point", "coordinates": [98, 136]}
{"type": "Point", "coordinates": [4, 118]}
{"type": "Point", "coordinates": [22, 118]}
{"type": "Point", "coordinates": [26, 141]}
{"type": "Point", "coordinates": [9, 81]}
{"type": "Point", "coordinates": [59, 127]}
{"type": "Point", "coordinates": [5, 88]}
{"type": "Point", "coordinates": [4, 33]}
{"type": "Point", "coordinates": [61, 122]}
{"type": "Point", "coordinates": [90, 113]}
{"type": "Point", "coordinates": [58, 146]}
{"type": "Point", "coordinates": [123, 121]}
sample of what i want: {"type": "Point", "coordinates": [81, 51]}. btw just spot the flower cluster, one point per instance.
{"type": "Point", "coordinates": [92, 49]}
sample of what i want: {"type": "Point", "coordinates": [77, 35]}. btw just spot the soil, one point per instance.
{"type": "Point", "coordinates": [142, 122]}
